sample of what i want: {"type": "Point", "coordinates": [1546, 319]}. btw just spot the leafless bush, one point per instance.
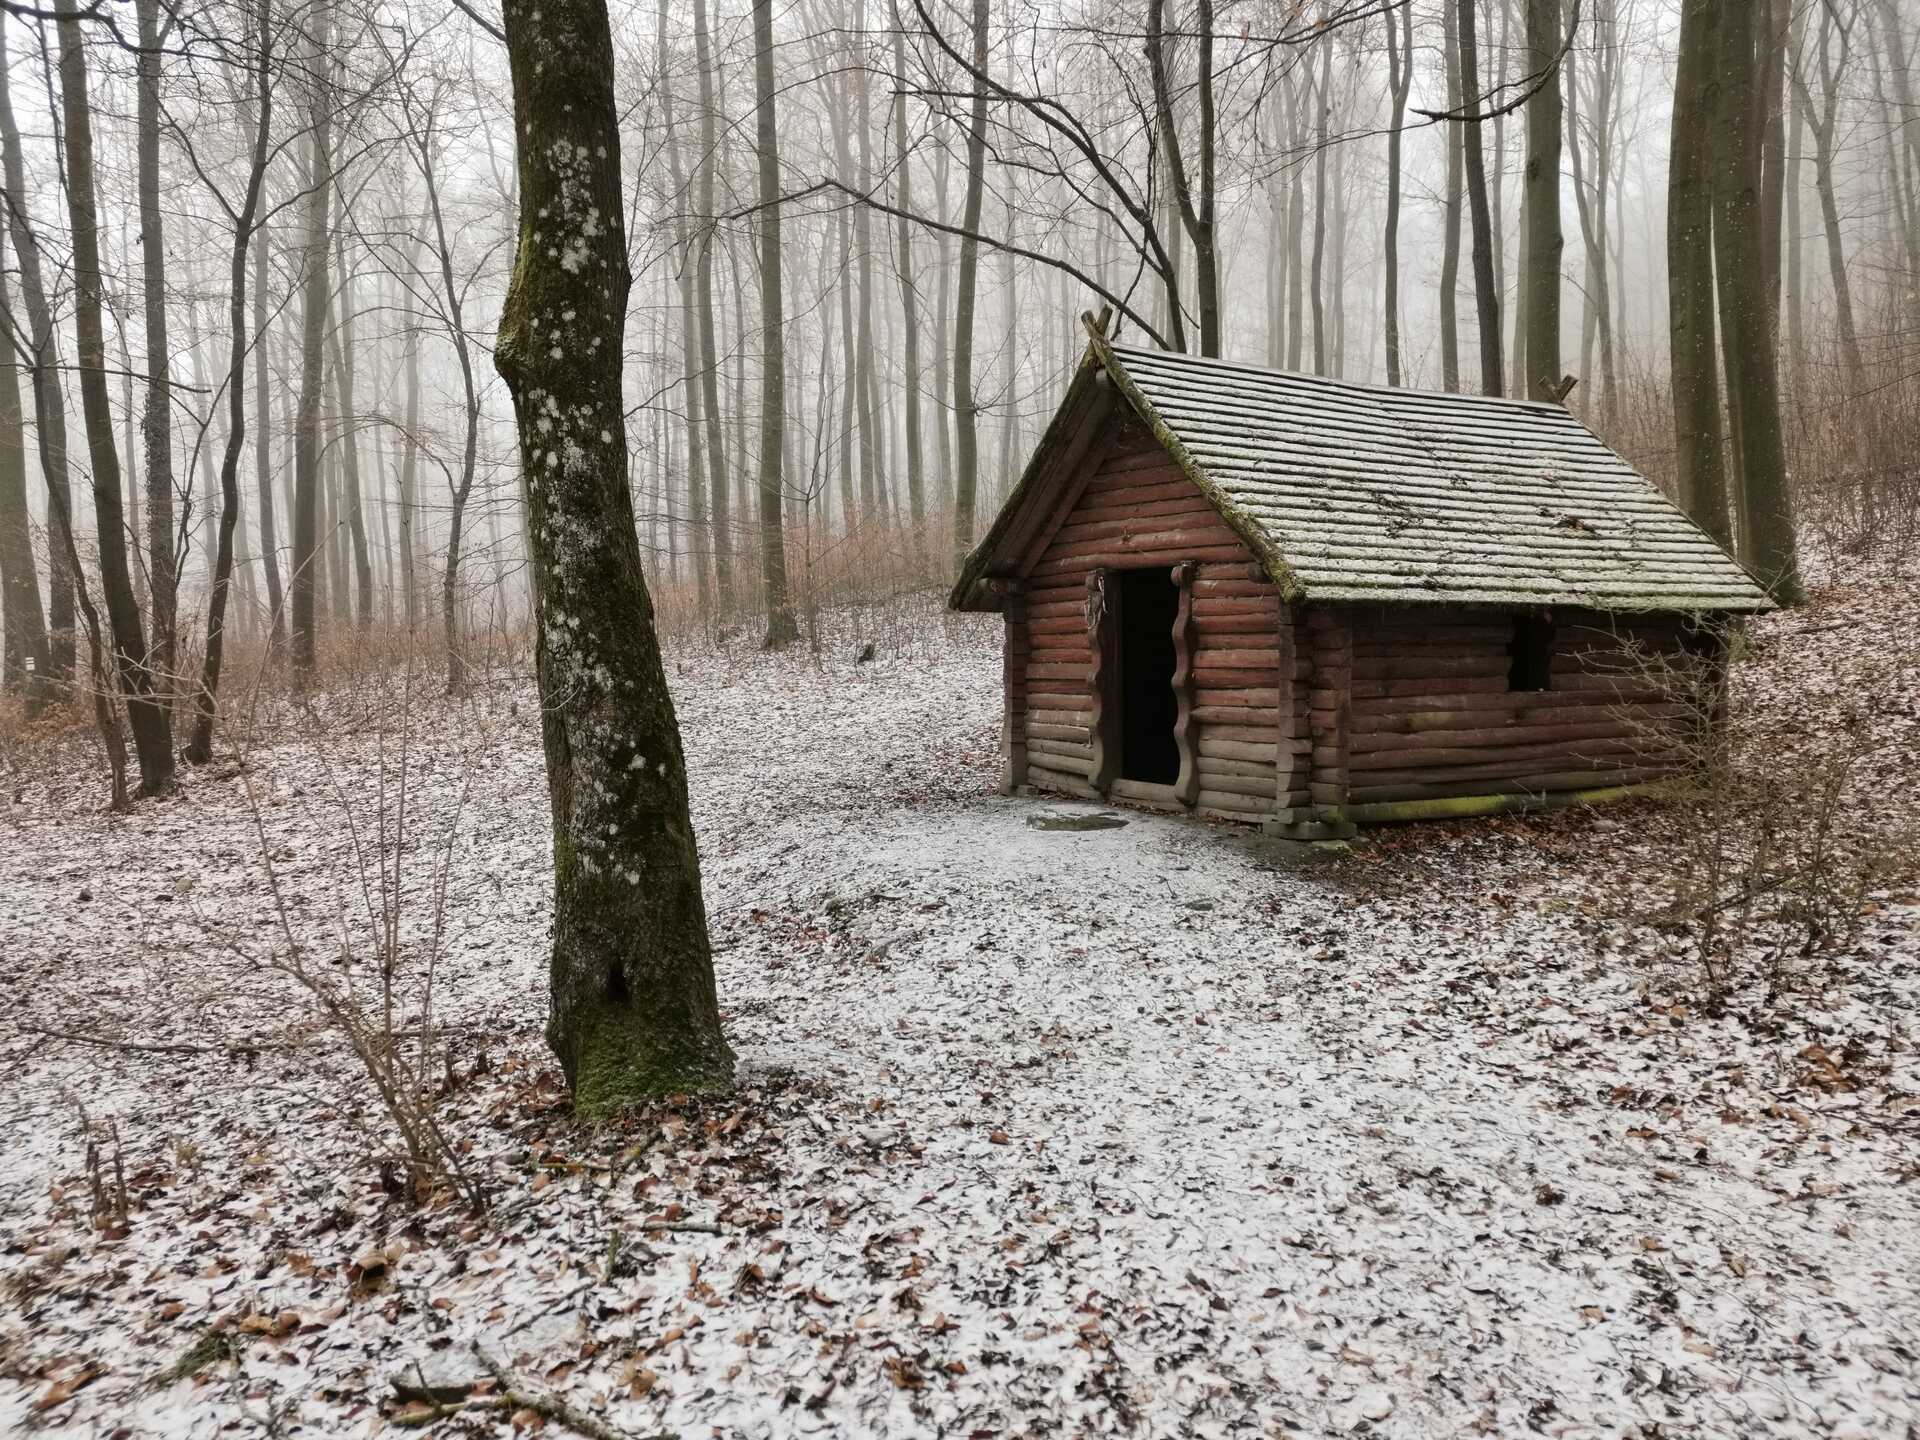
{"type": "Point", "coordinates": [1774, 843]}
{"type": "Point", "coordinates": [370, 966]}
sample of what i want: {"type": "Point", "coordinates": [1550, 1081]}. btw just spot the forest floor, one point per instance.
{"type": "Point", "coordinates": [1158, 1129]}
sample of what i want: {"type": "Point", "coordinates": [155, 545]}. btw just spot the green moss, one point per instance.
{"type": "Point", "coordinates": [1468, 807]}
{"type": "Point", "coordinates": [623, 1060]}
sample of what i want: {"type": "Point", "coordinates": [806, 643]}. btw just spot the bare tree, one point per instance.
{"type": "Point", "coordinates": [146, 709]}
{"type": "Point", "coordinates": [1544, 241]}
{"type": "Point", "coordinates": [966, 445]}
{"type": "Point", "coordinates": [781, 629]}
{"type": "Point", "coordinates": [1696, 380]}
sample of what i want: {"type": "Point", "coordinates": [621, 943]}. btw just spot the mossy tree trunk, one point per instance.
{"type": "Point", "coordinates": [634, 1012]}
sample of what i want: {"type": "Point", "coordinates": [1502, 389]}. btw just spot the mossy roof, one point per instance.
{"type": "Point", "coordinates": [1354, 492]}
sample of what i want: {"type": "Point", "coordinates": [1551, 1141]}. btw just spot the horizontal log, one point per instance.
{"type": "Point", "coordinates": [1465, 807]}
{"type": "Point", "coordinates": [1520, 702]}
{"type": "Point", "coordinates": [1235, 804]}
{"type": "Point", "coordinates": [1208, 764]}
{"type": "Point", "coordinates": [1208, 745]}
{"type": "Point", "coordinates": [1210, 714]}
{"type": "Point", "coordinates": [1120, 558]}
{"type": "Point", "coordinates": [1124, 492]}
{"type": "Point", "coordinates": [1074, 623]}
{"type": "Point", "coordinates": [1445, 685]}
{"type": "Point", "coordinates": [1531, 785]}
{"type": "Point", "coordinates": [1253, 787]}
{"type": "Point", "coordinates": [1041, 777]}
{"type": "Point", "coordinates": [1051, 697]}
{"type": "Point", "coordinates": [1232, 679]}
{"type": "Point", "coordinates": [1420, 639]}
{"type": "Point", "coordinates": [1368, 739]}
{"type": "Point", "coordinates": [1068, 716]}
{"type": "Point", "coordinates": [1529, 770]}
{"type": "Point", "coordinates": [1598, 752]}
{"type": "Point", "coordinates": [1214, 582]}
{"type": "Point", "coordinates": [1258, 697]}
{"type": "Point", "coordinates": [1040, 670]}
{"type": "Point", "coordinates": [1431, 667]}
{"type": "Point", "coordinates": [1198, 521]}
{"type": "Point", "coordinates": [1075, 735]}
{"type": "Point", "coordinates": [1110, 509]}
{"type": "Point", "coordinates": [1235, 657]}
{"type": "Point", "coordinates": [1323, 792]}
{"type": "Point", "coordinates": [1078, 753]}
{"type": "Point", "coordinates": [1244, 628]}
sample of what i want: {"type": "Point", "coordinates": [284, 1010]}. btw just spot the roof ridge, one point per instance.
{"type": "Point", "coordinates": [1182, 357]}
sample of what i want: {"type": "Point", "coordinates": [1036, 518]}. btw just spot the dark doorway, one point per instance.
{"type": "Point", "coordinates": [1149, 601]}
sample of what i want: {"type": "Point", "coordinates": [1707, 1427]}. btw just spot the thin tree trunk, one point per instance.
{"type": "Point", "coordinates": [1400, 83]}
{"type": "Point", "coordinates": [1486, 285]}
{"type": "Point", "coordinates": [1823, 123]}
{"type": "Point", "coordinates": [263, 449]}
{"type": "Point", "coordinates": [146, 712]}
{"type": "Point", "coordinates": [699, 537]}
{"type": "Point", "coordinates": [157, 419]}
{"type": "Point", "coordinates": [25, 645]}
{"type": "Point", "coordinates": [1450, 214]}
{"type": "Point", "coordinates": [341, 341]}
{"type": "Point", "coordinates": [965, 438]}
{"type": "Point", "coordinates": [307, 539]}
{"type": "Point", "coordinates": [909, 299]}
{"type": "Point", "coordinates": [206, 700]}
{"type": "Point", "coordinates": [1323, 102]}
{"type": "Point", "coordinates": [49, 400]}
{"type": "Point", "coordinates": [1195, 203]}
{"type": "Point", "coordinates": [719, 513]}
{"type": "Point", "coordinates": [634, 1011]}
{"type": "Point", "coordinates": [781, 629]}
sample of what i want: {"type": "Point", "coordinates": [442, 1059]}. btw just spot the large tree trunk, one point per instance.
{"type": "Point", "coordinates": [718, 517]}
{"type": "Point", "coordinates": [1699, 454]}
{"type": "Point", "coordinates": [25, 645]}
{"type": "Point", "coordinates": [1544, 240]}
{"type": "Point", "coordinates": [634, 1012]}
{"type": "Point", "coordinates": [206, 700]}
{"type": "Point", "coordinates": [1486, 285]}
{"type": "Point", "coordinates": [146, 711]}
{"type": "Point", "coordinates": [156, 425]}
{"type": "Point", "coordinates": [1766, 510]}
{"type": "Point", "coordinates": [966, 451]}
{"type": "Point", "coordinates": [307, 556]}
{"type": "Point", "coordinates": [49, 400]}
{"type": "Point", "coordinates": [781, 630]}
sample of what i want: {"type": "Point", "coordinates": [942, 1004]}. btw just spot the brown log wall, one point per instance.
{"type": "Point", "coordinates": [1136, 511]}
{"type": "Point", "coordinates": [1432, 716]}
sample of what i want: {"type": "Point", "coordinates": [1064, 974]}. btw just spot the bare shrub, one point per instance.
{"type": "Point", "coordinates": [368, 960]}
{"type": "Point", "coordinates": [1775, 840]}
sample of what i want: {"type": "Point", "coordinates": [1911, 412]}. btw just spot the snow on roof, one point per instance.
{"type": "Point", "coordinates": [1355, 492]}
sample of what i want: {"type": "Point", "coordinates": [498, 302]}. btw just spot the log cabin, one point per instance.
{"type": "Point", "coordinates": [1310, 603]}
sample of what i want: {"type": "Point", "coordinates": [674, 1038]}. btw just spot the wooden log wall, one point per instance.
{"type": "Point", "coordinates": [1432, 716]}
{"type": "Point", "coordinates": [1135, 510]}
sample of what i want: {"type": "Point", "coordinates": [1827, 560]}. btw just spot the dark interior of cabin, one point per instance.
{"type": "Point", "coordinates": [1149, 601]}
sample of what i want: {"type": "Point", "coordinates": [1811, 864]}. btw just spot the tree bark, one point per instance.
{"type": "Point", "coordinates": [1699, 454]}
{"type": "Point", "coordinates": [49, 400]}
{"type": "Point", "coordinates": [199, 748]}
{"type": "Point", "coordinates": [1766, 509]}
{"type": "Point", "coordinates": [909, 299]}
{"type": "Point", "coordinates": [966, 452]}
{"type": "Point", "coordinates": [634, 1012]}
{"type": "Point", "coordinates": [718, 517]}
{"type": "Point", "coordinates": [25, 643]}
{"type": "Point", "coordinates": [263, 450]}
{"type": "Point", "coordinates": [307, 539]}
{"type": "Point", "coordinates": [156, 425]}
{"type": "Point", "coordinates": [1486, 285]}
{"type": "Point", "coordinates": [1400, 83]}
{"type": "Point", "coordinates": [1196, 204]}
{"type": "Point", "coordinates": [781, 629]}
{"type": "Point", "coordinates": [1544, 239]}
{"type": "Point", "coordinates": [146, 711]}
{"type": "Point", "coordinates": [1450, 213]}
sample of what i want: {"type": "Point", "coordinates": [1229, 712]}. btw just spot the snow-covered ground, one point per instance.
{"type": "Point", "coordinates": [1159, 1129]}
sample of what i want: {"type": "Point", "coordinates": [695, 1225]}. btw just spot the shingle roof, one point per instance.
{"type": "Point", "coordinates": [1354, 492]}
